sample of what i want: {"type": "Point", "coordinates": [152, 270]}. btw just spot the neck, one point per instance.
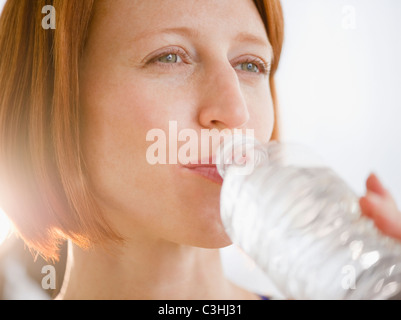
{"type": "Point", "coordinates": [154, 270]}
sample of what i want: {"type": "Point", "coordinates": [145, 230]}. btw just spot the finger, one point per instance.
{"type": "Point", "coordinates": [373, 184]}
{"type": "Point", "coordinates": [370, 204]}
{"type": "Point", "coordinates": [366, 207]}
{"type": "Point", "coordinates": [385, 215]}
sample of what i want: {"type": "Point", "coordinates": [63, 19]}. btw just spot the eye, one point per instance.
{"type": "Point", "coordinates": [248, 66]}
{"type": "Point", "coordinates": [170, 58]}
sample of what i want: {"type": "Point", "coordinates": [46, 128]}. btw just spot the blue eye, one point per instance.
{"type": "Point", "coordinates": [248, 66]}
{"type": "Point", "coordinates": [170, 58]}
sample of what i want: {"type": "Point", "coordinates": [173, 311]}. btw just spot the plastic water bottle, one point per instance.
{"type": "Point", "coordinates": [302, 225]}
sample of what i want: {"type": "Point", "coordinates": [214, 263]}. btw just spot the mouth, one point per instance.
{"type": "Point", "coordinates": [208, 171]}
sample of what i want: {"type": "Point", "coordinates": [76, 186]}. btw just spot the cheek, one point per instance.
{"type": "Point", "coordinates": [117, 118]}
{"type": "Point", "coordinates": [151, 105]}
{"type": "Point", "coordinates": [261, 113]}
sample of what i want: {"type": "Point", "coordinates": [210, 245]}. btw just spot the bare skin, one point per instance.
{"type": "Point", "coordinates": [379, 205]}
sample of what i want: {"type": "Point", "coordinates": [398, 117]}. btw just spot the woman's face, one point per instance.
{"type": "Point", "coordinates": [197, 63]}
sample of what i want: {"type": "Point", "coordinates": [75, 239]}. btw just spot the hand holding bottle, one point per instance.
{"type": "Point", "coordinates": [379, 205]}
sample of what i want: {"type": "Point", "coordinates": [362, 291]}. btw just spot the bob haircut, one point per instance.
{"type": "Point", "coordinates": [44, 185]}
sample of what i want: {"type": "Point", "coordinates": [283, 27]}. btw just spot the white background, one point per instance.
{"type": "Point", "coordinates": [339, 86]}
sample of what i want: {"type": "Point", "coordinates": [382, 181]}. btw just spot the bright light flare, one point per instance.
{"type": "Point", "coordinates": [5, 227]}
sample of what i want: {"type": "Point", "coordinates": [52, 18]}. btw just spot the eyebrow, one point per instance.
{"type": "Point", "coordinates": [193, 33]}
{"type": "Point", "coordinates": [250, 37]}
{"type": "Point", "coordinates": [184, 31]}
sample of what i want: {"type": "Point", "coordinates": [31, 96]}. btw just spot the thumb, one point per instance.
{"type": "Point", "coordinates": [384, 212]}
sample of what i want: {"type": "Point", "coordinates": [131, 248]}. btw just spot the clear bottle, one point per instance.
{"type": "Point", "coordinates": [301, 223]}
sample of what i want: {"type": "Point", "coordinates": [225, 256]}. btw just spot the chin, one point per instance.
{"type": "Point", "coordinates": [212, 236]}
{"type": "Point", "coordinates": [218, 244]}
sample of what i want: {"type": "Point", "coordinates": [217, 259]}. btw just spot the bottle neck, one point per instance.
{"type": "Point", "coordinates": [241, 154]}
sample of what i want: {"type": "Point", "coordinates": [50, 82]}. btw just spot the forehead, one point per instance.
{"type": "Point", "coordinates": [214, 18]}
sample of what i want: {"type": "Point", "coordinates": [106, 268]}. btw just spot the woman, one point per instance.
{"type": "Point", "coordinates": [77, 104]}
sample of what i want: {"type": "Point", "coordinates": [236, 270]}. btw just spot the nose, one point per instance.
{"type": "Point", "coordinates": [222, 103]}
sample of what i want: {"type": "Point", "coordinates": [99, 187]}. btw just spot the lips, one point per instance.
{"type": "Point", "coordinates": [208, 171]}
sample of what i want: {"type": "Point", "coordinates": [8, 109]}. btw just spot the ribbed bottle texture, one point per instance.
{"type": "Point", "coordinates": [301, 223]}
